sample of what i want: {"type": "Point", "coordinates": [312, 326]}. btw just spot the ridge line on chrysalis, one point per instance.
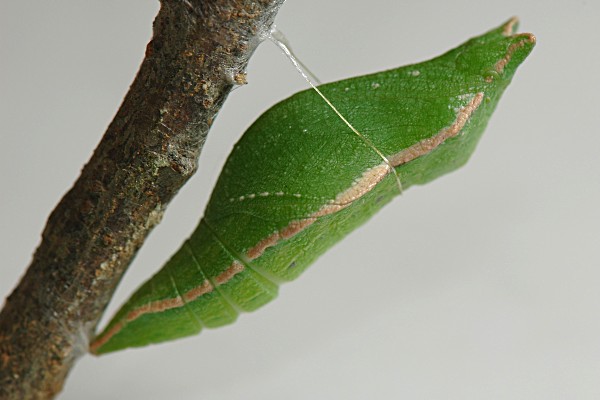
{"type": "Point", "coordinates": [185, 305]}
{"type": "Point", "coordinates": [242, 260]}
{"type": "Point", "coordinates": [215, 281]}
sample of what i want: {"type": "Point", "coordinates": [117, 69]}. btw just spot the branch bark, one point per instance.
{"type": "Point", "coordinates": [198, 53]}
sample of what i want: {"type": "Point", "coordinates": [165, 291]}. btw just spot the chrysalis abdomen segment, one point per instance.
{"type": "Point", "coordinates": [202, 286]}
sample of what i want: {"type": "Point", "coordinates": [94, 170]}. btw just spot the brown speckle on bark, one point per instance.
{"type": "Point", "coordinates": [240, 78]}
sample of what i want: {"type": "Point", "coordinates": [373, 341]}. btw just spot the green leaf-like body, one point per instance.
{"type": "Point", "coordinates": [299, 180]}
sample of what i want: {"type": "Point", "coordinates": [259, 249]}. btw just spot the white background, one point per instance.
{"type": "Point", "coordinates": [482, 285]}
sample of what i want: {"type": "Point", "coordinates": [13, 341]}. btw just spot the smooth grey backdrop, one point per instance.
{"type": "Point", "coordinates": [482, 285]}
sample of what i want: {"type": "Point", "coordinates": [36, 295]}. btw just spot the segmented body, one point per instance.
{"type": "Point", "coordinates": [299, 180]}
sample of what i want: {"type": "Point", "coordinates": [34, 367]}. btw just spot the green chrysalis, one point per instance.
{"type": "Point", "coordinates": [299, 180]}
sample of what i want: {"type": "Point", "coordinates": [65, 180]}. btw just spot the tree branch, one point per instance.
{"type": "Point", "coordinates": [198, 53]}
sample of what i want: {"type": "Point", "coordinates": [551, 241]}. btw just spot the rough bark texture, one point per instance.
{"type": "Point", "coordinates": [199, 51]}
